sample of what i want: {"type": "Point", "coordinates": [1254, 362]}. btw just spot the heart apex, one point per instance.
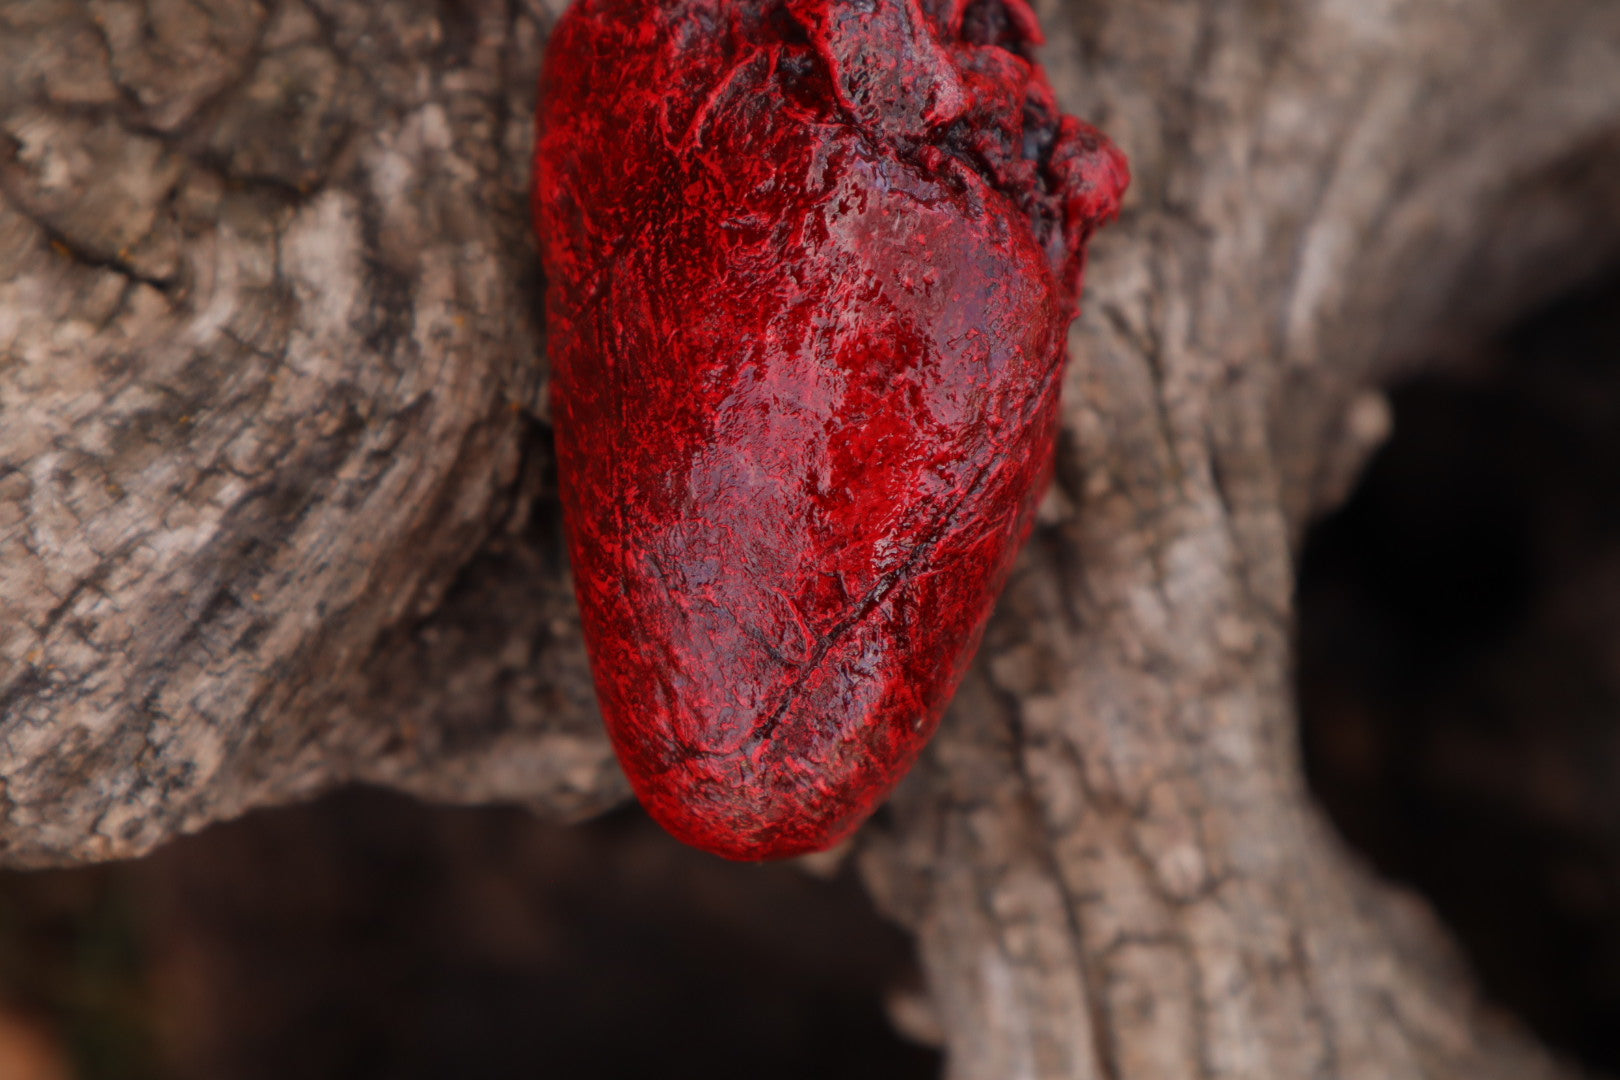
{"type": "Point", "coordinates": [744, 826]}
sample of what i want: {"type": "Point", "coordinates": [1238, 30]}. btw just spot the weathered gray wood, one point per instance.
{"type": "Point", "coordinates": [267, 348]}
{"type": "Point", "coordinates": [1110, 859]}
{"type": "Point", "coordinates": [274, 502]}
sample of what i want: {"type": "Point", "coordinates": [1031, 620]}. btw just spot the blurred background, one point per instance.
{"type": "Point", "coordinates": [367, 935]}
{"type": "Point", "coordinates": [1459, 686]}
{"type": "Point", "coordinates": [1459, 663]}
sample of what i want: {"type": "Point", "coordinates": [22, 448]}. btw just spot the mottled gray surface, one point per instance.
{"type": "Point", "coordinates": [274, 502]}
{"type": "Point", "coordinates": [267, 356]}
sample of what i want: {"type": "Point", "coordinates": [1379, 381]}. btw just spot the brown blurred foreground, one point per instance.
{"type": "Point", "coordinates": [367, 935]}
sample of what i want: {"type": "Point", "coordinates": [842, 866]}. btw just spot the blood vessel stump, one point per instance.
{"type": "Point", "coordinates": [810, 266]}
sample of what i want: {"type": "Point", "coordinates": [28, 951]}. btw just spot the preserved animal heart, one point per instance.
{"type": "Point", "coordinates": [810, 267]}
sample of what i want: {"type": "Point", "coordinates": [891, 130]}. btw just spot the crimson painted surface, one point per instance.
{"type": "Point", "coordinates": [810, 266]}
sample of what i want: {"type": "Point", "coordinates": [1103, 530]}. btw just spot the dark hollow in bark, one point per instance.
{"type": "Point", "coordinates": [1459, 683]}
{"type": "Point", "coordinates": [274, 511]}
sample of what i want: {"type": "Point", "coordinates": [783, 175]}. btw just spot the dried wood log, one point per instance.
{"type": "Point", "coordinates": [275, 505]}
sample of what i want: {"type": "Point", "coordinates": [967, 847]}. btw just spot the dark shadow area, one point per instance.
{"type": "Point", "coordinates": [1459, 664]}
{"type": "Point", "coordinates": [369, 936]}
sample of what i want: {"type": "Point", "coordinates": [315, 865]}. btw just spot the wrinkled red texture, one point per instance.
{"type": "Point", "coordinates": [810, 266]}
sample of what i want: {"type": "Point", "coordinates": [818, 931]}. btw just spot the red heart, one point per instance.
{"type": "Point", "coordinates": [810, 267]}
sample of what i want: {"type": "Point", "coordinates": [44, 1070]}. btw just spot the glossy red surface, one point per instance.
{"type": "Point", "coordinates": [810, 266]}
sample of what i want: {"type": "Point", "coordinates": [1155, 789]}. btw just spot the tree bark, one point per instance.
{"type": "Point", "coordinates": [275, 505]}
